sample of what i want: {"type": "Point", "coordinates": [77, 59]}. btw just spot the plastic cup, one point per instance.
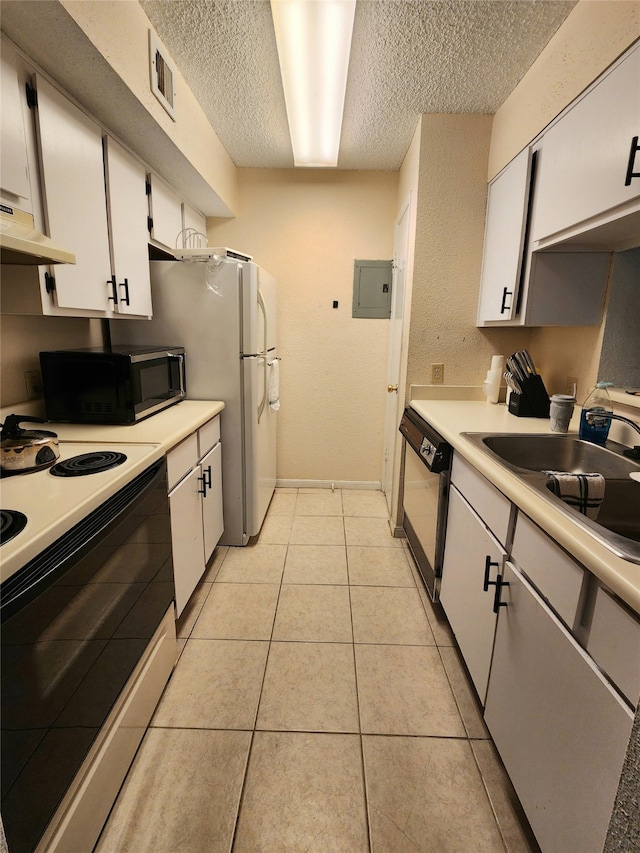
{"type": "Point", "coordinates": [560, 412]}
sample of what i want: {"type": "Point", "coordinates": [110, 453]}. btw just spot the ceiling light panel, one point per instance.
{"type": "Point", "coordinates": [314, 42]}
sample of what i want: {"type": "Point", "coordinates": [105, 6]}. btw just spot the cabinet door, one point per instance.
{"type": "Point", "coordinates": [166, 213]}
{"type": "Point", "coordinates": [212, 520]}
{"type": "Point", "coordinates": [127, 198]}
{"type": "Point", "coordinates": [192, 219]}
{"type": "Point", "coordinates": [185, 505]}
{"type": "Point", "coordinates": [75, 200]}
{"type": "Point", "coordinates": [585, 155]}
{"type": "Point", "coordinates": [507, 206]}
{"type": "Point", "coordinates": [560, 729]}
{"type": "Point", "coordinates": [14, 168]}
{"type": "Point", "coordinates": [468, 606]}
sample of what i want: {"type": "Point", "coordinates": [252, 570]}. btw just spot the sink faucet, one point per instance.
{"type": "Point", "coordinates": [592, 414]}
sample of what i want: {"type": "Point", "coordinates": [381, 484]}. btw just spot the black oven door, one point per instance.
{"type": "Point", "coordinates": [75, 622]}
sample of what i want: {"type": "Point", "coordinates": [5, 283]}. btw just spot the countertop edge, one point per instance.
{"type": "Point", "coordinates": [620, 576]}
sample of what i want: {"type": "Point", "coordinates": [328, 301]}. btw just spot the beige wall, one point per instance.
{"type": "Point", "coordinates": [307, 227]}
{"type": "Point", "coordinates": [120, 32]}
{"type": "Point", "coordinates": [590, 39]}
{"type": "Point", "coordinates": [22, 339]}
{"type": "Point", "coordinates": [452, 191]}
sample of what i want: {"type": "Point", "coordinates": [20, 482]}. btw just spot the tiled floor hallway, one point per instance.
{"type": "Point", "coordinates": [318, 705]}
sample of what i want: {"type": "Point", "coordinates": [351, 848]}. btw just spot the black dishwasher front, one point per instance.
{"type": "Point", "coordinates": [427, 469]}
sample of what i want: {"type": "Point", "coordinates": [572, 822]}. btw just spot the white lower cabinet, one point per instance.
{"type": "Point", "coordinates": [472, 560]}
{"type": "Point", "coordinates": [194, 471]}
{"type": "Point", "coordinates": [560, 728]}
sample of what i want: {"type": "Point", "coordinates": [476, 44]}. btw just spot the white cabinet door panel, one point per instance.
{"type": "Point", "coordinates": [468, 606]}
{"type": "Point", "coordinates": [585, 155]}
{"type": "Point", "coordinates": [166, 213]}
{"type": "Point", "coordinates": [504, 240]}
{"type": "Point", "coordinates": [559, 727]}
{"type": "Point", "coordinates": [75, 200]}
{"type": "Point", "coordinates": [128, 208]}
{"type": "Point", "coordinates": [14, 170]}
{"type": "Point", "coordinates": [187, 537]}
{"type": "Point", "coordinates": [212, 520]}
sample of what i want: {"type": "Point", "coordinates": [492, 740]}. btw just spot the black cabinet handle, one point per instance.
{"type": "Point", "coordinates": [207, 474]}
{"type": "Point", "coordinates": [203, 490]}
{"type": "Point", "coordinates": [632, 156]}
{"type": "Point", "coordinates": [125, 298]}
{"type": "Point", "coordinates": [497, 604]}
{"type": "Point", "coordinates": [114, 291]}
{"type": "Point", "coordinates": [487, 568]}
{"type": "Point", "coordinates": [504, 307]}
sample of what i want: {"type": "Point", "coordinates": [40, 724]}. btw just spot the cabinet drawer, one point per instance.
{"type": "Point", "coordinates": [614, 644]}
{"type": "Point", "coordinates": [557, 577]}
{"type": "Point", "coordinates": [490, 504]}
{"type": "Point", "coordinates": [181, 459]}
{"type": "Point", "coordinates": [208, 436]}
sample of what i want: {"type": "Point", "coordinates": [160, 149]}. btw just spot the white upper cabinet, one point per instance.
{"type": "Point", "coordinates": [507, 203]}
{"type": "Point", "coordinates": [589, 169]}
{"type": "Point", "coordinates": [14, 168]}
{"type": "Point", "coordinates": [165, 211]}
{"type": "Point", "coordinates": [126, 179]}
{"type": "Point", "coordinates": [75, 202]}
{"type": "Point", "coordinates": [193, 220]}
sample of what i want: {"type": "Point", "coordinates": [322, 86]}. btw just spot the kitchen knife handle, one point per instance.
{"type": "Point", "coordinates": [504, 307]}
{"type": "Point", "coordinates": [632, 156]}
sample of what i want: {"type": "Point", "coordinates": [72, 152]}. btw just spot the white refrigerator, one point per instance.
{"type": "Point", "coordinates": [223, 312]}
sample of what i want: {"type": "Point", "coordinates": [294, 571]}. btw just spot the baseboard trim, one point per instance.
{"type": "Point", "coordinates": [329, 484]}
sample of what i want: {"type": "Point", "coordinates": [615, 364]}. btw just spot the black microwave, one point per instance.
{"type": "Point", "coordinates": [115, 385]}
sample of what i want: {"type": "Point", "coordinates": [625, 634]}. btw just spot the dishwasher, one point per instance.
{"type": "Point", "coordinates": [427, 471]}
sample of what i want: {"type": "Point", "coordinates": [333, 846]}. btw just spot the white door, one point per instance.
{"type": "Point", "coordinates": [560, 729]}
{"type": "Point", "coordinates": [127, 197]}
{"type": "Point", "coordinates": [76, 202]}
{"type": "Point", "coordinates": [212, 519]}
{"type": "Point", "coordinates": [187, 536]}
{"type": "Point", "coordinates": [393, 406]}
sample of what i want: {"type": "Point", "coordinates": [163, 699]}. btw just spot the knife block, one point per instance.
{"type": "Point", "coordinates": [534, 400]}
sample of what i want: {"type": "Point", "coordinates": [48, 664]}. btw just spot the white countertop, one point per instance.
{"type": "Point", "coordinates": [53, 505]}
{"type": "Point", "coordinates": [451, 418]}
{"type": "Point", "coordinates": [166, 429]}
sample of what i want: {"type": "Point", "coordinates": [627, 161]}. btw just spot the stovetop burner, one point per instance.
{"type": "Point", "coordinates": [88, 463]}
{"type": "Point", "coordinates": [12, 522]}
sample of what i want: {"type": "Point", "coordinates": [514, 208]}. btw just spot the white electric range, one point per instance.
{"type": "Point", "coordinates": [54, 504]}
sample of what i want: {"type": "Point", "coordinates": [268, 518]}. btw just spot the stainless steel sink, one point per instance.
{"type": "Point", "coordinates": [560, 453]}
{"type": "Point", "coordinates": [527, 456]}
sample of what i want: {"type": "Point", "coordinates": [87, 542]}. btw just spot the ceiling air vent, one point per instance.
{"type": "Point", "coordinates": [162, 73]}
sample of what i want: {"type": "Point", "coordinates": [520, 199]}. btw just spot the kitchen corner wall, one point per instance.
{"type": "Point", "coordinates": [22, 338]}
{"type": "Point", "coordinates": [451, 201]}
{"type": "Point", "coordinates": [306, 227]}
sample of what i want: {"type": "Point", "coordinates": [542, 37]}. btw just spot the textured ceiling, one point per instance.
{"type": "Point", "coordinates": [408, 57]}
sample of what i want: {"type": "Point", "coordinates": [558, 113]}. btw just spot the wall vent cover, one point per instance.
{"type": "Point", "coordinates": [162, 73]}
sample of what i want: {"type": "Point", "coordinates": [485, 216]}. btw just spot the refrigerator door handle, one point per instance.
{"type": "Point", "coordinates": [264, 357]}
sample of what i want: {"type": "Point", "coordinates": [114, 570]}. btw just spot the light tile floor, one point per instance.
{"type": "Point", "coordinates": [319, 704]}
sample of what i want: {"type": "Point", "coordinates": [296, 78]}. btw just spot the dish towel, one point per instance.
{"type": "Point", "coordinates": [583, 492]}
{"type": "Point", "coordinates": [274, 384]}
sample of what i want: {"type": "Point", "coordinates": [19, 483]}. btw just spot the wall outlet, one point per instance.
{"type": "Point", "coordinates": [437, 374]}
{"type": "Point", "coordinates": [572, 385]}
{"type": "Point", "coordinates": [33, 381]}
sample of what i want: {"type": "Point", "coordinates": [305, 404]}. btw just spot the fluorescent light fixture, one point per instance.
{"type": "Point", "coordinates": [314, 43]}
